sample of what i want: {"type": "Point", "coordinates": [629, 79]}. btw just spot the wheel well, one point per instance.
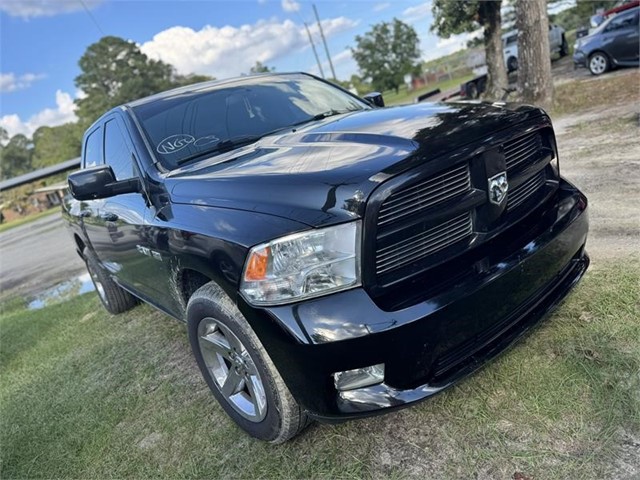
{"type": "Point", "coordinates": [599, 51]}
{"type": "Point", "coordinates": [189, 282]}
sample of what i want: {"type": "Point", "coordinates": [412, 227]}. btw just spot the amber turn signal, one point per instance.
{"type": "Point", "coordinates": [257, 265]}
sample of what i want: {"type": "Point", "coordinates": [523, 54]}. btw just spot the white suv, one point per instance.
{"type": "Point", "coordinates": [557, 44]}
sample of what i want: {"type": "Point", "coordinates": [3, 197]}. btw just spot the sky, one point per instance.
{"type": "Point", "coordinates": [41, 42]}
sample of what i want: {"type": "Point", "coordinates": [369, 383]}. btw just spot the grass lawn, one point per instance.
{"type": "Point", "coordinates": [88, 395]}
{"type": "Point", "coordinates": [403, 96]}
{"type": "Point", "coordinates": [30, 218]}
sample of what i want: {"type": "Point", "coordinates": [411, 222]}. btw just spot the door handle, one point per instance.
{"type": "Point", "coordinates": [109, 217]}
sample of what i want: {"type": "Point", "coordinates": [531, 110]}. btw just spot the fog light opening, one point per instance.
{"type": "Point", "coordinates": [359, 377]}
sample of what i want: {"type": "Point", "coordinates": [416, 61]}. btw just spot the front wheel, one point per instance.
{"type": "Point", "coordinates": [598, 63]}
{"type": "Point", "coordinates": [238, 370]}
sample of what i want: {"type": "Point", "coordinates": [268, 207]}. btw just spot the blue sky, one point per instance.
{"type": "Point", "coordinates": [42, 41]}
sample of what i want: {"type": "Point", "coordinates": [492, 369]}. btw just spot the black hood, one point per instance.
{"type": "Point", "coordinates": [323, 173]}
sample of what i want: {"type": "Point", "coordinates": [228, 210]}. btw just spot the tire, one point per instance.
{"type": "Point", "coordinates": [472, 90]}
{"type": "Point", "coordinates": [238, 370]}
{"type": "Point", "coordinates": [512, 64]}
{"type": "Point", "coordinates": [114, 298]}
{"type": "Point", "coordinates": [564, 48]}
{"type": "Point", "coordinates": [598, 63]}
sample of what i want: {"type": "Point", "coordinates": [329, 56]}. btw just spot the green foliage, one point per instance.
{"type": "Point", "coordinates": [52, 145]}
{"type": "Point", "coordinates": [259, 67]}
{"type": "Point", "coordinates": [15, 156]}
{"type": "Point", "coordinates": [579, 15]}
{"type": "Point", "coordinates": [386, 53]}
{"type": "Point", "coordinates": [451, 17]}
{"type": "Point", "coordinates": [184, 80]}
{"type": "Point", "coordinates": [115, 71]}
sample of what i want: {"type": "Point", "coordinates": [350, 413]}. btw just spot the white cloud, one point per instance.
{"type": "Point", "coordinates": [378, 7]}
{"type": "Point", "coordinates": [63, 113]}
{"type": "Point", "coordinates": [10, 82]}
{"type": "Point", "coordinates": [43, 8]}
{"type": "Point", "coordinates": [417, 12]}
{"type": "Point", "coordinates": [228, 51]}
{"type": "Point", "coordinates": [290, 5]}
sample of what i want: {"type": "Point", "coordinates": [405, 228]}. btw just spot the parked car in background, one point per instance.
{"type": "Point", "coordinates": [557, 44]}
{"type": "Point", "coordinates": [613, 44]}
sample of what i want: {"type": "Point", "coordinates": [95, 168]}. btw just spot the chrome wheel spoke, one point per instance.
{"type": "Point", "coordinates": [232, 384]}
{"type": "Point", "coordinates": [232, 369]}
{"type": "Point", "coordinates": [256, 392]}
{"type": "Point", "coordinates": [217, 343]}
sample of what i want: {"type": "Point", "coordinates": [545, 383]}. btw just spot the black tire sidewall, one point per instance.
{"type": "Point", "coordinates": [267, 429]}
{"type": "Point", "coordinates": [117, 299]}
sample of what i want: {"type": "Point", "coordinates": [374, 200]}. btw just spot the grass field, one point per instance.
{"type": "Point", "coordinates": [88, 395]}
{"type": "Point", "coordinates": [403, 96]}
{"type": "Point", "coordinates": [30, 218]}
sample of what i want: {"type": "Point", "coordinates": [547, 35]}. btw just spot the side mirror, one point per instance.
{"type": "Point", "coordinates": [375, 99]}
{"type": "Point", "coordinates": [99, 182]}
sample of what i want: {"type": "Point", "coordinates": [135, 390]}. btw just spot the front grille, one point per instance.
{"type": "Point", "coordinates": [424, 224]}
{"type": "Point", "coordinates": [425, 194]}
{"type": "Point", "coordinates": [523, 191]}
{"type": "Point", "coordinates": [519, 152]}
{"type": "Point", "coordinates": [424, 243]}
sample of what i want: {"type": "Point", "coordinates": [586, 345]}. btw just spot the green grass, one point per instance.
{"type": "Point", "coordinates": [403, 96]}
{"type": "Point", "coordinates": [87, 395]}
{"type": "Point", "coordinates": [21, 221]}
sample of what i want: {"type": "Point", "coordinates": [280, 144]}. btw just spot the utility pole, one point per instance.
{"type": "Point", "coordinates": [324, 41]}
{"type": "Point", "coordinates": [313, 46]}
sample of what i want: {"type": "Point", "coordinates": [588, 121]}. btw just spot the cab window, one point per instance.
{"type": "Point", "coordinates": [116, 151]}
{"type": "Point", "coordinates": [93, 149]}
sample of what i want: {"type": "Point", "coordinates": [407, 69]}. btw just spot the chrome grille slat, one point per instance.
{"type": "Point", "coordinates": [524, 191]}
{"type": "Point", "coordinates": [420, 249]}
{"type": "Point", "coordinates": [439, 185]}
{"type": "Point", "coordinates": [416, 204]}
{"type": "Point", "coordinates": [425, 194]}
{"type": "Point", "coordinates": [520, 150]}
{"type": "Point", "coordinates": [448, 175]}
{"type": "Point", "coordinates": [427, 242]}
{"type": "Point", "coordinates": [517, 143]}
{"type": "Point", "coordinates": [422, 236]}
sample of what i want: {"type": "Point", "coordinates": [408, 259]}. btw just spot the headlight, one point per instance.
{"type": "Point", "coordinates": [303, 265]}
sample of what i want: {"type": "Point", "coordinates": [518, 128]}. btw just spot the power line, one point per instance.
{"type": "Point", "coordinates": [93, 19]}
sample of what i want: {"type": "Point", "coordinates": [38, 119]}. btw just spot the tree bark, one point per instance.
{"type": "Point", "coordinates": [496, 71]}
{"type": "Point", "coordinates": [534, 64]}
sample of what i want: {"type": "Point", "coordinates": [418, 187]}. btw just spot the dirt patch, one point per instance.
{"type": "Point", "coordinates": [599, 151]}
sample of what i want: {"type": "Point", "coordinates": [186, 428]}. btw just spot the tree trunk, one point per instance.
{"type": "Point", "coordinates": [534, 63]}
{"type": "Point", "coordinates": [496, 71]}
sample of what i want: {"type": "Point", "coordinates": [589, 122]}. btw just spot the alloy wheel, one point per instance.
{"type": "Point", "coordinates": [232, 369]}
{"type": "Point", "coordinates": [598, 64]}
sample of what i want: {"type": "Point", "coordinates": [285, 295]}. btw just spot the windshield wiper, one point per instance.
{"type": "Point", "coordinates": [323, 115]}
{"type": "Point", "coordinates": [223, 146]}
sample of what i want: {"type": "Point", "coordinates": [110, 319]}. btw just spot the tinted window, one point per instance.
{"type": "Point", "coordinates": [116, 152]}
{"type": "Point", "coordinates": [93, 149]}
{"type": "Point", "coordinates": [192, 123]}
{"type": "Point", "coordinates": [622, 20]}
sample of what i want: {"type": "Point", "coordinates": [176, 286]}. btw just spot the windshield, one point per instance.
{"type": "Point", "coordinates": [190, 125]}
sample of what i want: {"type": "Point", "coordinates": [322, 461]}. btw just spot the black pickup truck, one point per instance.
{"type": "Point", "coordinates": [332, 258]}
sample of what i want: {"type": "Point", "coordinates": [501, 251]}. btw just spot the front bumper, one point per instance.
{"type": "Point", "coordinates": [428, 346]}
{"type": "Point", "coordinates": [579, 59]}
